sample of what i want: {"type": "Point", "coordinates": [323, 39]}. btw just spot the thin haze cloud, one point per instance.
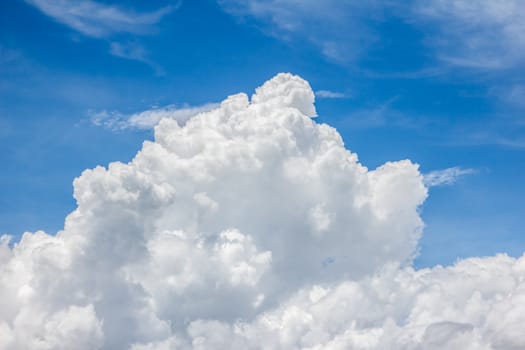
{"type": "Point", "coordinates": [117, 121]}
{"type": "Point", "coordinates": [329, 94]}
{"type": "Point", "coordinates": [483, 34]}
{"type": "Point", "coordinates": [136, 52]}
{"type": "Point", "coordinates": [482, 40]}
{"type": "Point", "coordinates": [99, 20]}
{"type": "Point", "coordinates": [446, 176]}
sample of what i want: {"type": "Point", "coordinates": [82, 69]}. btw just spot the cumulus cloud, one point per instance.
{"type": "Point", "coordinates": [445, 176]}
{"type": "Point", "coordinates": [456, 308]}
{"type": "Point", "coordinates": [250, 226]}
{"type": "Point", "coordinates": [97, 19]}
{"type": "Point", "coordinates": [115, 120]}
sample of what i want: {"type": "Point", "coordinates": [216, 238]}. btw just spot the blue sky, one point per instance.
{"type": "Point", "coordinates": [441, 84]}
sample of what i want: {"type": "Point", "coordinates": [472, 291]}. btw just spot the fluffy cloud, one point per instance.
{"type": "Point", "coordinates": [250, 226]}
{"type": "Point", "coordinates": [99, 20]}
{"type": "Point", "coordinates": [134, 51]}
{"type": "Point", "coordinates": [475, 304]}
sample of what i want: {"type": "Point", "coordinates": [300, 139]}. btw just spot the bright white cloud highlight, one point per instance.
{"type": "Point", "coordinates": [250, 226]}
{"type": "Point", "coordinates": [446, 176]}
{"type": "Point", "coordinates": [97, 19]}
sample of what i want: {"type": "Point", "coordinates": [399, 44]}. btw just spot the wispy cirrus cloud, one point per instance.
{"type": "Point", "coordinates": [118, 121]}
{"type": "Point", "coordinates": [446, 176]}
{"type": "Point", "coordinates": [330, 94]}
{"type": "Point", "coordinates": [470, 34]}
{"type": "Point", "coordinates": [136, 52]}
{"type": "Point", "coordinates": [484, 34]}
{"type": "Point", "coordinates": [100, 20]}
{"type": "Point", "coordinates": [341, 32]}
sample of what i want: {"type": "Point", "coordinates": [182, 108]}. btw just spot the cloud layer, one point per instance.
{"type": "Point", "coordinates": [337, 28]}
{"type": "Point", "coordinates": [250, 226]}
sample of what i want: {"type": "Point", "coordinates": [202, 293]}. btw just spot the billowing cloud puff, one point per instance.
{"type": "Point", "coordinates": [476, 304]}
{"type": "Point", "coordinates": [250, 226]}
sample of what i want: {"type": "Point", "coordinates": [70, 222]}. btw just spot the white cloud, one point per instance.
{"type": "Point", "coordinates": [341, 29]}
{"type": "Point", "coordinates": [383, 115]}
{"type": "Point", "coordinates": [131, 51]}
{"type": "Point", "coordinates": [329, 94]}
{"type": "Point", "coordinates": [147, 119]}
{"type": "Point", "coordinates": [481, 34]}
{"type": "Point", "coordinates": [134, 51]}
{"type": "Point", "coordinates": [97, 19]}
{"type": "Point", "coordinates": [445, 176]}
{"type": "Point", "coordinates": [474, 34]}
{"type": "Point", "coordinates": [250, 226]}
{"type": "Point", "coordinates": [475, 304]}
